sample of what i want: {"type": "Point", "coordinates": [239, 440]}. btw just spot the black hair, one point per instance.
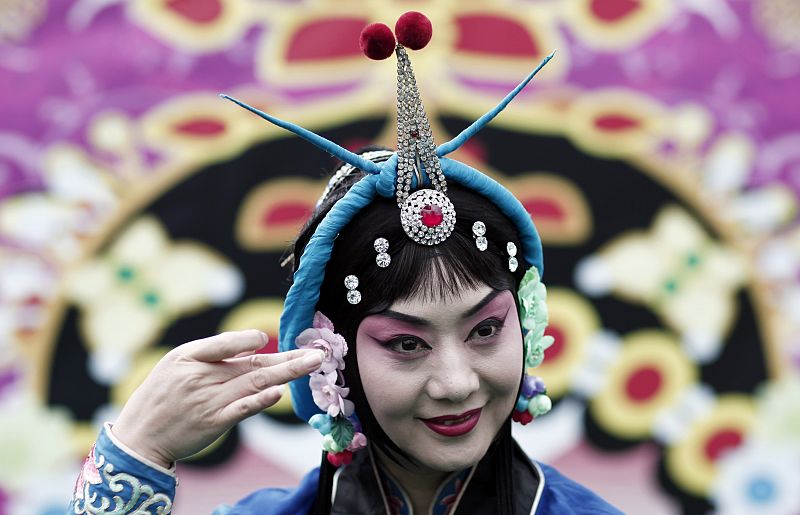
{"type": "Point", "coordinates": [429, 272]}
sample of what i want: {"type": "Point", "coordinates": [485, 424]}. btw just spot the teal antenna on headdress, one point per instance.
{"type": "Point", "coordinates": [315, 139]}
{"type": "Point", "coordinates": [455, 143]}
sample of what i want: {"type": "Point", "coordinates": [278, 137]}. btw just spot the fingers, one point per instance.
{"type": "Point", "coordinates": [242, 365]}
{"type": "Point", "coordinates": [248, 406]}
{"type": "Point", "coordinates": [262, 378]}
{"type": "Point", "coordinates": [225, 345]}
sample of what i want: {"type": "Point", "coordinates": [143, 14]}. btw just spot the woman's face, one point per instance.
{"type": "Point", "coordinates": [441, 376]}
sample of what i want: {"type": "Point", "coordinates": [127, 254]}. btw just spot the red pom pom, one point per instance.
{"type": "Point", "coordinates": [377, 41]}
{"type": "Point", "coordinates": [523, 418]}
{"type": "Point", "coordinates": [413, 30]}
{"type": "Point", "coordinates": [340, 458]}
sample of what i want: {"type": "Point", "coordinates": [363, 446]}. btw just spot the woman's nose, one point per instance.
{"type": "Point", "coordinates": [453, 377]}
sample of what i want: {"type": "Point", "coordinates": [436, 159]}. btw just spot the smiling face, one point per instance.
{"type": "Point", "coordinates": [441, 376]}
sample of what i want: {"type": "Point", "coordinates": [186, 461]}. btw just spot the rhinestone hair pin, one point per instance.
{"type": "Point", "coordinates": [479, 233]}
{"type": "Point", "coordinates": [511, 249]}
{"type": "Point", "coordinates": [382, 259]}
{"type": "Point", "coordinates": [353, 295]}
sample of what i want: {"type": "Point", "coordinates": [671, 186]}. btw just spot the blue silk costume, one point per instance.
{"type": "Point", "coordinates": [116, 481]}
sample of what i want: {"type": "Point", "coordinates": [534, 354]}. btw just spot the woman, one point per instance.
{"type": "Point", "coordinates": [415, 311]}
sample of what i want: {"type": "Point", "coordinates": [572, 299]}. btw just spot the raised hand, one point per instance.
{"type": "Point", "coordinates": [202, 388]}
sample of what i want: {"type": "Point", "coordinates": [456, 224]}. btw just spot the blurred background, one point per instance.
{"type": "Point", "coordinates": [659, 154]}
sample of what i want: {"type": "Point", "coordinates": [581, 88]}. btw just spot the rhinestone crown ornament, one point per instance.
{"type": "Point", "coordinates": [427, 215]}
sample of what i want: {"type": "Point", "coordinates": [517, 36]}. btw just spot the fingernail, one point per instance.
{"type": "Point", "coordinates": [264, 337]}
{"type": "Point", "coordinates": [313, 359]}
{"type": "Point", "coordinates": [281, 389]}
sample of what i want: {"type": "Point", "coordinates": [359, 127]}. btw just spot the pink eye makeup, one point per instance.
{"type": "Point", "coordinates": [385, 329]}
{"type": "Point", "coordinates": [410, 332]}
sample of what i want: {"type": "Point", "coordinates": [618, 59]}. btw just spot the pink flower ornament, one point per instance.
{"type": "Point", "coordinates": [340, 436]}
{"type": "Point", "coordinates": [359, 442]}
{"type": "Point", "coordinates": [329, 396]}
{"type": "Point", "coordinates": [321, 336]}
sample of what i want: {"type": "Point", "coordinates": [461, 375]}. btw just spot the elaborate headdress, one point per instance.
{"type": "Point", "coordinates": [416, 176]}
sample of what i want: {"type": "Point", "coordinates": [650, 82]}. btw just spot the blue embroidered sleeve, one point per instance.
{"type": "Point", "coordinates": [114, 481]}
{"type": "Point", "coordinates": [562, 496]}
{"type": "Point", "coordinates": [277, 501]}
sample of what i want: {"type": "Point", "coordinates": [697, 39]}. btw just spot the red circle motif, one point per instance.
{"type": "Point", "coordinates": [287, 213]}
{"type": "Point", "coordinates": [488, 34]}
{"type": "Point", "coordinates": [613, 10]}
{"type": "Point", "coordinates": [539, 207]}
{"type": "Point", "coordinates": [721, 442]}
{"type": "Point", "coordinates": [271, 347]}
{"type": "Point", "coordinates": [202, 11]}
{"type": "Point", "coordinates": [554, 351]}
{"type": "Point", "coordinates": [202, 127]}
{"type": "Point", "coordinates": [615, 122]}
{"type": "Point", "coordinates": [643, 384]}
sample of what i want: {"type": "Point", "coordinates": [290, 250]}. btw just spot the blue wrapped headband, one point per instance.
{"type": "Point", "coordinates": [382, 179]}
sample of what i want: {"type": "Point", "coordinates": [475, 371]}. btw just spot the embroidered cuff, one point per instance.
{"type": "Point", "coordinates": [116, 480]}
{"type": "Point", "coordinates": [133, 454]}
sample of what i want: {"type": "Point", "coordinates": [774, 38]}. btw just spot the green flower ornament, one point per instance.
{"type": "Point", "coordinates": [532, 296]}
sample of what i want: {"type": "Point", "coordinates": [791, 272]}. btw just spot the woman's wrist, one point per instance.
{"type": "Point", "coordinates": [138, 449]}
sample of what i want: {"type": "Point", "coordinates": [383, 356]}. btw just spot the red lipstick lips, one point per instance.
{"type": "Point", "coordinates": [454, 425]}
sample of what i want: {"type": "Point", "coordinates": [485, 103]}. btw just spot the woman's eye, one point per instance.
{"type": "Point", "coordinates": [407, 345]}
{"type": "Point", "coordinates": [487, 329]}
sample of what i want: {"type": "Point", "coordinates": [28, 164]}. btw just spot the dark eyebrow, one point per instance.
{"type": "Point", "coordinates": [423, 322]}
{"type": "Point", "coordinates": [402, 317]}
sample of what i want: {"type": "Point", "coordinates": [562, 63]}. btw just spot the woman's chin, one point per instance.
{"type": "Point", "coordinates": [451, 460]}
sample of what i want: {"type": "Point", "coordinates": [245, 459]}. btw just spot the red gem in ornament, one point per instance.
{"type": "Point", "coordinates": [431, 215]}
{"type": "Point", "coordinates": [414, 134]}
